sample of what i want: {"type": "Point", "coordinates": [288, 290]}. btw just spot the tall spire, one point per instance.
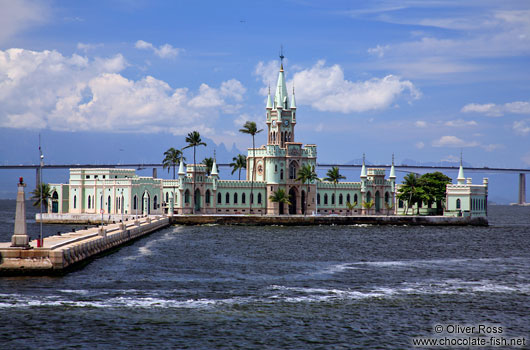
{"type": "Point", "coordinates": [214, 172]}
{"type": "Point", "coordinates": [181, 168]}
{"type": "Point", "coordinates": [392, 170]}
{"type": "Point", "coordinates": [280, 98]}
{"type": "Point", "coordinates": [363, 169]}
{"type": "Point", "coordinates": [461, 179]}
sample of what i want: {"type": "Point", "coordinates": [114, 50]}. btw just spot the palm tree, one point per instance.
{"type": "Point", "coordinates": [409, 190]}
{"type": "Point", "coordinates": [306, 175]}
{"type": "Point", "coordinates": [351, 206]}
{"type": "Point", "coordinates": [239, 162]}
{"type": "Point", "coordinates": [333, 175]}
{"type": "Point", "coordinates": [209, 165]}
{"type": "Point", "coordinates": [172, 159]}
{"type": "Point", "coordinates": [41, 195]}
{"type": "Point", "coordinates": [279, 196]}
{"type": "Point", "coordinates": [194, 140]}
{"type": "Point", "coordinates": [251, 129]}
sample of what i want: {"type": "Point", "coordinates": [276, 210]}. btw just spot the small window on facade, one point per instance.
{"type": "Point", "coordinates": [235, 198]}
{"type": "Point", "coordinates": [243, 198]}
{"type": "Point", "coordinates": [348, 198]}
{"type": "Point", "coordinates": [281, 174]}
{"type": "Point", "coordinates": [458, 203]}
{"type": "Point", "coordinates": [326, 199]}
{"type": "Point", "coordinates": [333, 199]}
{"type": "Point", "coordinates": [88, 176]}
{"type": "Point", "coordinates": [259, 198]}
{"type": "Point", "coordinates": [340, 199]}
{"type": "Point", "coordinates": [75, 201]}
{"type": "Point", "coordinates": [207, 197]}
{"type": "Point", "coordinates": [227, 198]}
{"type": "Point", "coordinates": [103, 176]}
{"type": "Point", "coordinates": [135, 201]}
{"type": "Point", "coordinates": [252, 198]}
{"type": "Point", "coordinates": [387, 197]}
{"type": "Point", "coordinates": [89, 201]}
{"type": "Point", "coordinates": [355, 198]}
{"type": "Point", "coordinates": [167, 197]}
{"type": "Point", "coordinates": [187, 196]}
{"type": "Point", "coordinates": [219, 198]}
{"type": "Point", "coordinates": [318, 198]}
{"type": "Point", "coordinates": [276, 168]}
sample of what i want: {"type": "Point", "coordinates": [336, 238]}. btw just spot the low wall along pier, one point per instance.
{"type": "Point", "coordinates": [61, 253]}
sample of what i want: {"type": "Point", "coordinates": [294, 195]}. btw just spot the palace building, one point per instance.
{"type": "Point", "coordinates": [272, 166]}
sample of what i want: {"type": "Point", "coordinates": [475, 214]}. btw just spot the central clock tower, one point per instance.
{"type": "Point", "coordinates": [281, 114]}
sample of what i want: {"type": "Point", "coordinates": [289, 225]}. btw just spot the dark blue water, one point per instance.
{"type": "Point", "coordinates": [226, 287]}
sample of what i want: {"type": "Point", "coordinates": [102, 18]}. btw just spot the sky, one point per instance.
{"type": "Point", "coordinates": [120, 80]}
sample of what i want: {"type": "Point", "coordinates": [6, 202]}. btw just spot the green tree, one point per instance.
{"type": "Point", "coordinates": [194, 140]}
{"type": "Point", "coordinates": [368, 205]}
{"type": "Point", "coordinates": [306, 175]}
{"type": "Point", "coordinates": [172, 158]}
{"type": "Point", "coordinates": [412, 191]}
{"type": "Point", "coordinates": [351, 206]}
{"type": "Point", "coordinates": [279, 196]}
{"type": "Point", "coordinates": [434, 185]}
{"type": "Point", "coordinates": [239, 163]}
{"type": "Point", "coordinates": [333, 175]}
{"type": "Point", "coordinates": [41, 195]}
{"type": "Point", "coordinates": [209, 165]}
{"type": "Point", "coordinates": [250, 128]}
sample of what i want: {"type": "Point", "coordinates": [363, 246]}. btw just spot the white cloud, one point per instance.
{"type": "Point", "coordinates": [453, 141]}
{"type": "Point", "coordinates": [87, 47]}
{"type": "Point", "coordinates": [48, 90]}
{"type": "Point", "coordinates": [420, 124]}
{"type": "Point", "coordinates": [419, 145]}
{"type": "Point", "coordinates": [450, 158]}
{"type": "Point", "coordinates": [522, 127]}
{"type": "Point", "coordinates": [378, 51]}
{"type": "Point", "coordinates": [460, 123]}
{"type": "Point", "coordinates": [326, 89]}
{"type": "Point", "coordinates": [16, 16]}
{"type": "Point", "coordinates": [164, 51]}
{"type": "Point", "coordinates": [494, 110]}
{"type": "Point", "coordinates": [268, 73]}
{"type": "Point", "coordinates": [492, 147]}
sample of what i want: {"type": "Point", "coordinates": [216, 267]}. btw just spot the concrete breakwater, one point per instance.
{"type": "Point", "coordinates": [286, 220]}
{"type": "Point", "coordinates": [300, 220]}
{"type": "Point", "coordinates": [59, 253]}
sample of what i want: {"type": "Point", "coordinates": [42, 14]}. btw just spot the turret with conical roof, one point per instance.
{"type": "Point", "coordinates": [293, 102]}
{"type": "Point", "coordinates": [363, 169]}
{"type": "Point", "coordinates": [392, 169]}
{"type": "Point", "coordinates": [281, 100]}
{"type": "Point", "coordinates": [461, 179]}
{"type": "Point", "coordinates": [181, 172]}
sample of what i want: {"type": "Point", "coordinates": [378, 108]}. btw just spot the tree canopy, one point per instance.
{"type": "Point", "coordinates": [429, 187]}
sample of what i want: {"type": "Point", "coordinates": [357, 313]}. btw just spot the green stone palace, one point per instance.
{"type": "Point", "coordinates": [272, 167]}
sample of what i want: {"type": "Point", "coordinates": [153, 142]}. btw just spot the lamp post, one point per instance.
{"type": "Point", "coordinates": [41, 193]}
{"type": "Point", "coordinates": [121, 203]}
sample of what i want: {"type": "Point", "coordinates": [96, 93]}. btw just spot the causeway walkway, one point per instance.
{"type": "Point", "coordinates": [60, 253]}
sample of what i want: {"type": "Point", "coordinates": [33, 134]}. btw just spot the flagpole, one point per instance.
{"type": "Point", "coordinates": [41, 192]}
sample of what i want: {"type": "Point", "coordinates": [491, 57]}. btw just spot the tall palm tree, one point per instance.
{"type": "Point", "coordinates": [306, 175]}
{"type": "Point", "coordinates": [194, 140]}
{"type": "Point", "coordinates": [251, 129]}
{"type": "Point", "coordinates": [279, 196]}
{"type": "Point", "coordinates": [239, 162]}
{"type": "Point", "coordinates": [41, 195]}
{"type": "Point", "coordinates": [409, 190]}
{"type": "Point", "coordinates": [172, 159]}
{"type": "Point", "coordinates": [209, 165]}
{"type": "Point", "coordinates": [333, 175]}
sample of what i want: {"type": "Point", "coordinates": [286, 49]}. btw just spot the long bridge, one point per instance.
{"type": "Point", "coordinates": [406, 168]}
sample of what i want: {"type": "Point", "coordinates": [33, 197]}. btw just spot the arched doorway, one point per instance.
{"type": "Point", "coordinates": [303, 203]}
{"type": "Point", "coordinates": [197, 199]}
{"type": "Point", "coordinates": [292, 199]}
{"type": "Point", "coordinates": [377, 202]}
{"type": "Point", "coordinates": [55, 202]}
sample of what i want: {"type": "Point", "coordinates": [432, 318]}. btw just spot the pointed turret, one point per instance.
{"type": "Point", "coordinates": [269, 102]}
{"type": "Point", "coordinates": [181, 172]}
{"type": "Point", "coordinates": [293, 102]}
{"type": "Point", "coordinates": [280, 98]}
{"type": "Point", "coordinates": [392, 170]}
{"type": "Point", "coordinates": [214, 168]}
{"type": "Point", "coordinates": [363, 169]}
{"type": "Point", "coordinates": [461, 179]}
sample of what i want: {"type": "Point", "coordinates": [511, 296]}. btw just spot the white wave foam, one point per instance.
{"type": "Point", "coordinates": [145, 250]}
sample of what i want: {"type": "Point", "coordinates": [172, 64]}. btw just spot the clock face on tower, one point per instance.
{"type": "Point", "coordinates": [274, 123]}
{"type": "Point", "coordinates": [286, 122]}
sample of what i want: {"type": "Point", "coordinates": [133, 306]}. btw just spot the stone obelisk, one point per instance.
{"type": "Point", "coordinates": [20, 237]}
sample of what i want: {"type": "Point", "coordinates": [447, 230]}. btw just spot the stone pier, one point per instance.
{"type": "Point", "coordinates": [60, 253]}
